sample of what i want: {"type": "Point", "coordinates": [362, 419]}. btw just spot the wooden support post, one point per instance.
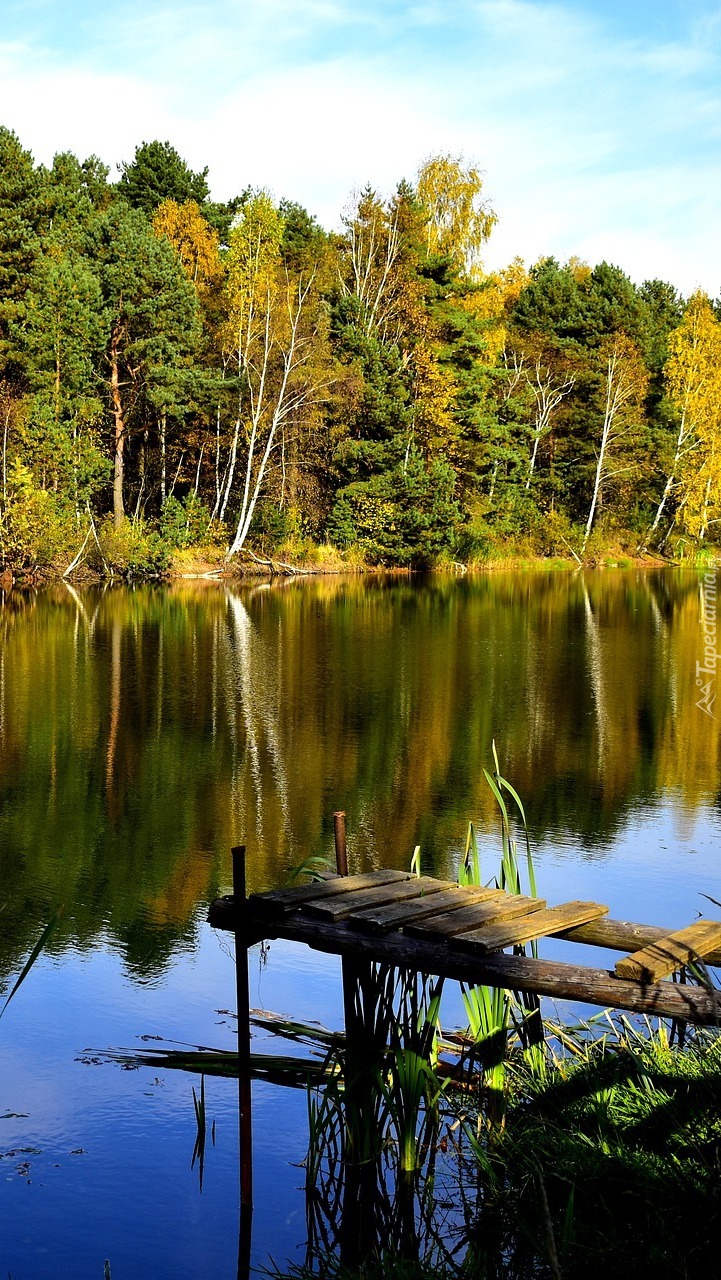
{"type": "Point", "coordinates": [358, 1175]}
{"type": "Point", "coordinates": [243, 1009]}
{"type": "Point", "coordinates": [341, 853]}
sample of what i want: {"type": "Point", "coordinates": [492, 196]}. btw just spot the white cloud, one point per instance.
{"type": "Point", "coordinates": [591, 143]}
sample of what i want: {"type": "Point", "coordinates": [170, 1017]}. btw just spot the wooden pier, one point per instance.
{"type": "Point", "coordinates": [440, 929]}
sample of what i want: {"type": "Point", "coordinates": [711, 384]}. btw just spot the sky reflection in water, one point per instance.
{"type": "Point", "coordinates": [144, 732]}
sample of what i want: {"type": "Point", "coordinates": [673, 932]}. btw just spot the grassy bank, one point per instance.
{"type": "Point", "coordinates": [138, 552]}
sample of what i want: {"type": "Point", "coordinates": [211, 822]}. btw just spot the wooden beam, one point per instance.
{"type": "Point", "coordinates": [623, 935]}
{"type": "Point", "coordinates": [557, 979]}
{"type": "Point", "coordinates": [242, 993]}
{"type": "Point", "coordinates": [612, 935]}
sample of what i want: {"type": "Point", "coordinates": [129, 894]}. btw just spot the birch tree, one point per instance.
{"type": "Point", "coordinates": [548, 392]}
{"type": "Point", "coordinates": [270, 332]}
{"type": "Point", "coordinates": [459, 221]}
{"type": "Point", "coordinates": [624, 384]}
{"type": "Point", "coordinates": [368, 274]}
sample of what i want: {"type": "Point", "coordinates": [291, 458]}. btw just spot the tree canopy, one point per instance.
{"type": "Point", "coordinates": [232, 373]}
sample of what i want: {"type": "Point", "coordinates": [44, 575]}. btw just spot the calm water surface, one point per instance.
{"type": "Point", "coordinates": [142, 733]}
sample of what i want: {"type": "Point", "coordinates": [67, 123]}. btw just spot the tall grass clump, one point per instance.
{"type": "Point", "coordinates": [492, 1012]}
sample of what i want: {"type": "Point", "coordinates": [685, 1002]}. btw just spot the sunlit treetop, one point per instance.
{"type": "Point", "coordinates": [459, 221]}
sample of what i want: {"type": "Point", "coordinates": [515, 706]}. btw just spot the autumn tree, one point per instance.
{"type": "Point", "coordinates": [458, 221]}
{"type": "Point", "coordinates": [269, 334]}
{"type": "Point", "coordinates": [195, 242]}
{"type": "Point", "coordinates": [693, 380]}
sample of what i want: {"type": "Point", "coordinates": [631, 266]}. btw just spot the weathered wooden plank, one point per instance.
{"type": "Point", "coordinates": [280, 901]}
{"type": "Point", "coordinates": [396, 915]}
{"type": "Point", "coordinates": [340, 907]}
{"type": "Point", "coordinates": [537, 925]}
{"type": "Point", "coordinates": [553, 978]}
{"type": "Point", "coordinates": [624, 935]}
{"type": "Point", "coordinates": [672, 952]}
{"type": "Point", "coordinates": [454, 922]}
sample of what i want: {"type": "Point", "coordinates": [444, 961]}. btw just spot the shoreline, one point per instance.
{"type": "Point", "coordinates": [203, 569]}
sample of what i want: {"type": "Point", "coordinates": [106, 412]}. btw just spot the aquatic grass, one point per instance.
{"type": "Point", "coordinates": [316, 867]}
{"type": "Point", "coordinates": [619, 1144]}
{"type": "Point", "coordinates": [409, 1088]}
{"type": "Point", "coordinates": [201, 1126]}
{"type": "Point", "coordinates": [40, 945]}
{"type": "Point", "coordinates": [509, 875]}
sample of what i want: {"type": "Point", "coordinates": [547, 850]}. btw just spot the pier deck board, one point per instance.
{"type": "Point", "coordinates": [672, 952]}
{"type": "Point", "coordinates": [343, 905]}
{"type": "Point", "coordinates": [396, 915]}
{"type": "Point", "coordinates": [539, 924]}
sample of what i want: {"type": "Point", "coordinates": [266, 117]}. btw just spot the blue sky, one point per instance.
{"type": "Point", "coordinates": [597, 125]}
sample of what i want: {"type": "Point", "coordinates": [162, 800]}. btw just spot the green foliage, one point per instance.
{"type": "Point", "coordinates": [623, 1136]}
{"type": "Point", "coordinates": [273, 526]}
{"type": "Point", "coordinates": [37, 524]}
{"type": "Point", "coordinates": [184, 522]}
{"type": "Point", "coordinates": [156, 173]}
{"type": "Point", "coordinates": [407, 429]}
{"type": "Point", "coordinates": [404, 516]}
{"type": "Point", "coordinates": [20, 213]}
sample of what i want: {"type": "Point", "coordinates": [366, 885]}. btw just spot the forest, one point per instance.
{"type": "Point", "coordinates": [181, 377]}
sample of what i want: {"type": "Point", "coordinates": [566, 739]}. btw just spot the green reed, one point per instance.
{"type": "Point", "coordinates": [491, 1011]}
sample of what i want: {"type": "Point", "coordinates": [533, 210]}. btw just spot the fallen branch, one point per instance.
{"type": "Point", "coordinates": [74, 563]}
{"type": "Point", "coordinates": [278, 567]}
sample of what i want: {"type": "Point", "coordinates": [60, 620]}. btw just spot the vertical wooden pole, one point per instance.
{"type": "Point", "coordinates": [355, 1232]}
{"type": "Point", "coordinates": [243, 1008]}
{"type": "Point", "coordinates": [341, 853]}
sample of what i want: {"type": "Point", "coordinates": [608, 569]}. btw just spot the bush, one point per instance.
{"type": "Point", "coordinates": [37, 525]}
{"type": "Point", "coordinates": [272, 527]}
{"type": "Point", "coordinates": [406, 516]}
{"type": "Point", "coordinates": [185, 522]}
{"type": "Point", "coordinates": [132, 551]}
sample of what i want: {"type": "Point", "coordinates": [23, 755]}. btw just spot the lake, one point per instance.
{"type": "Point", "coordinates": [144, 732]}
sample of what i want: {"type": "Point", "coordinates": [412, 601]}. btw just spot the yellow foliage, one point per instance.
{"type": "Point", "coordinates": [693, 381]}
{"type": "Point", "coordinates": [195, 242]}
{"type": "Point", "coordinates": [580, 270]}
{"type": "Point", "coordinates": [252, 283]}
{"type": "Point", "coordinates": [493, 303]}
{"type": "Point", "coordinates": [434, 398]}
{"type": "Point", "coordinates": [459, 223]}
